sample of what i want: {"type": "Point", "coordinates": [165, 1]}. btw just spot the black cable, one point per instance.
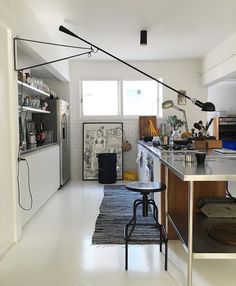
{"type": "Point", "coordinates": [230, 195]}
{"type": "Point", "coordinates": [19, 159]}
{"type": "Point", "coordinates": [228, 192]}
{"type": "Point", "coordinates": [29, 188]}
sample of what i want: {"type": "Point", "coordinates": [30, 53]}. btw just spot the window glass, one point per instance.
{"type": "Point", "coordinates": [140, 97]}
{"type": "Point", "coordinates": [100, 97]}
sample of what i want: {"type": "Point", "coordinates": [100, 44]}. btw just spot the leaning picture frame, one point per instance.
{"type": "Point", "coordinates": [101, 137]}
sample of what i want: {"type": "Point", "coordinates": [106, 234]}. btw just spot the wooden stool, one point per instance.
{"type": "Point", "coordinates": [145, 188]}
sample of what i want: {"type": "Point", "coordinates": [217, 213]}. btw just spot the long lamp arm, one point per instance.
{"type": "Point", "coordinates": [207, 106]}
{"type": "Point", "coordinates": [66, 31]}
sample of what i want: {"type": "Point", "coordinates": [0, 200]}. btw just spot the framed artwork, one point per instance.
{"type": "Point", "coordinates": [181, 99]}
{"type": "Point", "coordinates": [102, 137]}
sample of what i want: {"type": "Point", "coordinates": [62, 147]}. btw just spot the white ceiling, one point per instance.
{"type": "Point", "coordinates": [177, 29]}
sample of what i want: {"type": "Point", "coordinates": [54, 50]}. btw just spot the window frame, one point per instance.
{"type": "Point", "coordinates": [120, 98]}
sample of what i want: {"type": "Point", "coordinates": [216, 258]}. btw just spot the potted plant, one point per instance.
{"type": "Point", "coordinates": [176, 123]}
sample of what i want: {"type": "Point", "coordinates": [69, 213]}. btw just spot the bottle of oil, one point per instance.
{"type": "Point", "coordinates": [41, 134]}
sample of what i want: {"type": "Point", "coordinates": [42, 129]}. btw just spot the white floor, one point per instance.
{"type": "Point", "coordinates": [56, 250]}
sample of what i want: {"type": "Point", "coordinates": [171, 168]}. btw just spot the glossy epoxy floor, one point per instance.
{"type": "Point", "coordinates": [56, 250]}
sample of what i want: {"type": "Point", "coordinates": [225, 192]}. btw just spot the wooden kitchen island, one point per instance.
{"type": "Point", "coordinates": [186, 184]}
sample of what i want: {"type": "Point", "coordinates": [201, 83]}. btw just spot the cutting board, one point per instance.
{"type": "Point", "coordinates": [144, 125]}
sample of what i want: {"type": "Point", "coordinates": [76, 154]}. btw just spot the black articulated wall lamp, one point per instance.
{"type": "Point", "coordinates": [88, 52]}
{"type": "Point", "coordinates": [143, 38]}
{"type": "Point", "coordinates": [207, 106]}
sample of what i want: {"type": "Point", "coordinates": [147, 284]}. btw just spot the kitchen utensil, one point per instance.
{"type": "Point", "coordinates": [209, 124]}
{"type": "Point", "coordinates": [197, 126]}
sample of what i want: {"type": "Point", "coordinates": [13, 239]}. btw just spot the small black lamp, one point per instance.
{"type": "Point", "coordinates": [206, 106]}
{"type": "Point", "coordinates": [143, 37]}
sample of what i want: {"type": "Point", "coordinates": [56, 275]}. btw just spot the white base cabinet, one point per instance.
{"type": "Point", "coordinates": [149, 169]}
{"type": "Point", "coordinates": [44, 179]}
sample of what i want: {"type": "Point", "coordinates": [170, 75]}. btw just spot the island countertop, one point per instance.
{"type": "Point", "coordinates": [217, 167]}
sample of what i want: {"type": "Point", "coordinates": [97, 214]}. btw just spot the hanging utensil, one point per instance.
{"type": "Point", "coordinates": [209, 123]}
{"type": "Point", "coordinates": [126, 146]}
{"type": "Point", "coordinates": [197, 126]}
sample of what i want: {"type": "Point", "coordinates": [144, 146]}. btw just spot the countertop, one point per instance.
{"type": "Point", "coordinates": [217, 167]}
{"type": "Point", "coordinates": [40, 148]}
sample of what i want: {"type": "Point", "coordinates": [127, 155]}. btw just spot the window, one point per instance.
{"type": "Point", "coordinates": [100, 97]}
{"type": "Point", "coordinates": [121, 97]}
{"type": "Point", "coordinates": [140, 97]}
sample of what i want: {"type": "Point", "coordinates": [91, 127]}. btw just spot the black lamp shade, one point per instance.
{"type": "Point", "coordinates": [208, 106]}
{"type": "Point", "coordinates": [143, 38]}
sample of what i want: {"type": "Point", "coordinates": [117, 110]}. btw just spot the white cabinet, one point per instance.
{"type": "Point", "coordinates": [148, 164]}
{"type": "Point", "coordinates": [44, 179]}
{"type": "Point", "coordinates": [139, 162]}
{"type": "Point", "coordinates": [149, 169]}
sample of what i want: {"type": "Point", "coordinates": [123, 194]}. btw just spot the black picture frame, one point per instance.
{"type": "Point", "coordinates": [101, 137]}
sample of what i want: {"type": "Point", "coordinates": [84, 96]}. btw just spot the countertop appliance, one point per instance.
{"type": "Point", "coordinates": [59, 122]}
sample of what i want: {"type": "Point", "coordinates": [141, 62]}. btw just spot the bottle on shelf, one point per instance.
{"type": "Point", "coordinates": [163, 138]}
{"type": "Point", "coordinates": [171, 141]}
{"type": "Point", "coordinates": [31, 138]}
{"type": "Point", "coordinates": [40, 134]}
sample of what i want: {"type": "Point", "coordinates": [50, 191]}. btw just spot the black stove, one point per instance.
{"type": "Point", "coordinates": [188, 146]}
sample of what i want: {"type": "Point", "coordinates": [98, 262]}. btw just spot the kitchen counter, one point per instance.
{"type": "Point", "coordinates": [39, 148]}
{"type": "Point", "coordinates": [217, 167]}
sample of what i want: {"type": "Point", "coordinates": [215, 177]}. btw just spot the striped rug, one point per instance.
{"type": "Point", "coordinates": [116, 210]}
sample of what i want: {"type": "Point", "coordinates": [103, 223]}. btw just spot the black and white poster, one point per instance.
{"type": "Point", "coordinates": [103, 137]}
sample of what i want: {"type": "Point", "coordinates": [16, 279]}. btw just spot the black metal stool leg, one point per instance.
{"type": "Point", "coordinates": [155, 209]}
{"type": "Point", "coordinates": [126, 245]}
{"type": "Point", "coordinates": [126, 255]}
{"type": "Point", "coordinates": [166, 255]}
{"type": "Point", "coordinates": [145, 205]}
{"type": "Point", "coordinates": [161, 238]}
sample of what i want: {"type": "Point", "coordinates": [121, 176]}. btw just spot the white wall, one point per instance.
{"type": "Point", "coordinates": [223, 94]}
{"type": "Point", "coordinates": [8, 212]}
{"type": "Point", "coordinates": [220, 63]}
{"type": "Point", "coordinates": [16, 19]}
{"type": "Point", "coordinates": [18, 16]}
{"type": "Point", "coordinates": [179, 74]}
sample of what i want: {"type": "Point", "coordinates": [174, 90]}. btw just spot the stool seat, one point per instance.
{"type": "Point", "coordinates": [145, 187]}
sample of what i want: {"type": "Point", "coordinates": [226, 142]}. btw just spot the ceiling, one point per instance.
{"type": "Point", "coordinates": [177, 29]}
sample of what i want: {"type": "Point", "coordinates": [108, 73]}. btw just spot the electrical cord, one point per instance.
{"type": "Point", "coordinates": [29, 188]}
{"type": "Point", "coordinates": [25, 160]}
{"type": "Point", "coordinates": [228, 192]}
